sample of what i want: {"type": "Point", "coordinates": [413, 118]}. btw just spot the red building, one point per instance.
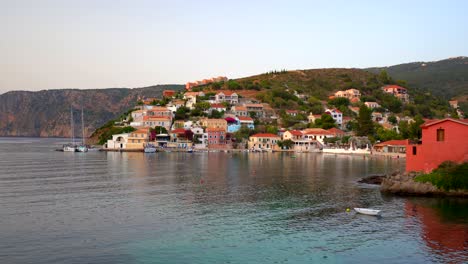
{"type": "Point", "coordinates": [216, 136]}
{"type": "Point", "coordinates": [442, 140]}
{"type": "Point", "coordinates": [168, 93]}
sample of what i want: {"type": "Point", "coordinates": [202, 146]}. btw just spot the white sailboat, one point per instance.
{"type": "Point", "coordinates": [82, 147]}
{"type": "Point", "coordinates": [71, 147]}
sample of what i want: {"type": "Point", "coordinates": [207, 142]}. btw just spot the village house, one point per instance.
{"type": "Point", "coordinates": [191, 98]}
{"type": "Point", "coordinates": [442, 140]}
{"type": "Point", "coordinates": [227, 96]}
{"type": "Point", "coordinates": [179, 138]}
{"type": "Point", "coordinates": [258, 109]}
{"type": "Point", "coordinates": [397, 91]}
{"type": "Point", "coordinates": [217, 107]}
{"type": "Point", "coordinates": [169, 93]}
{"type": "Point", "coordinates": [263, 141]}
{"type": "Point", "coordinates": [377, 117]}
{"type": "Point", "coordinates": [239, 110]}
{"type": "Point", "coordinates": [311, 117]}
{"type": "Point", "coordinates": [292, 112]}
{"type": "Point", "coordinates": [216, 136]}
{"type": "Point", "coordinates": [454, 104]}
{"type": "Point", "coordinates": [137, 139]}
{"type": "Point", "coordinates": [160, 112]}
{"type": "Point", "coordinates": [336, 115]}
{"type": "Point", "coordinates": [372, 105]}
{"type": "Point", "coordinates": [175, 104]}
{"type": "Point", "coordinates": [190, 85]}
{"type": "Point", "coordinates": [138, 115]}
{"type": "Point", "coordinates": [336, 132]}
{"type": "Point", "coordinates": [292, 135]}
{"type": "Point", "coordinates": [246, 121]}
{"type": "Point", "coordinates": [155, 121]}
{"type": "Point", "coordinates": [214, 123]}
{"type": "Point", "coordinates": [392, 146]}
{"type": "Point", "coordinates": [118, 141]}
{"type": "Point", "coordinates": [318, 134]}
{"type": "Point", "coordinates": [350, 94]}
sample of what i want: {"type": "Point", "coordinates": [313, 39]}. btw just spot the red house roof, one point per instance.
{"type": "Point", "coordinates": [296, 132]}
{"type": "Point", "coordinates": [245, 118]}
{"type": "Point", "coordinates": [435, 121]}
{"type": "Point", "coordinates": [265, 135]}
{"type": "Point", "coordinates": [217, 106]}
{"type": "Point", "coordinates": [336, 131]}
{"type": "Point", "coordinates": [394, 142]}
{"type": "Point", "coordinates": [393, 86]}
{"type": "Point", "coordinates": [178, 131]}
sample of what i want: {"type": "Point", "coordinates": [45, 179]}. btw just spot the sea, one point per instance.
{"type": "Point", "coordinates": [111, 207]}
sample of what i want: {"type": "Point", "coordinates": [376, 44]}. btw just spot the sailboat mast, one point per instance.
{"type": "Point", "coordinates": [72, 127]}
{"type": "Point", "coordinates": [82, 127]}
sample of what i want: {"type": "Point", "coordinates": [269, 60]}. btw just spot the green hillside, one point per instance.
{"type": "Point", "coordinates": [445, 78]}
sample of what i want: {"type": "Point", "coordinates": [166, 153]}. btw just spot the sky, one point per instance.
{"type": "Point", "coordinates": [84, 44]}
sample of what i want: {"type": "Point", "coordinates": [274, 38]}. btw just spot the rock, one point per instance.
{"type": "Point", "coordinates": [373, 179]}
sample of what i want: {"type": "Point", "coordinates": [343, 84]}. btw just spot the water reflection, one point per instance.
{"type": "Point", "coordinates": [444, 225]}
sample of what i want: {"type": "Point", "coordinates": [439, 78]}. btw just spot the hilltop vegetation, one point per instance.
{"type": "Point", "coordinates": [445, 78]}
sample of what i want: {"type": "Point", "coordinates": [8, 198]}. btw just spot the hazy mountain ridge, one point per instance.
{"type": "Point", "coordinates": [46, 113]}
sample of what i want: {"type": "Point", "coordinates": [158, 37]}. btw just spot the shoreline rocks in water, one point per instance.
{"type": "Point", "coordinates": [404, 184]}
{"type": "Point", "coordinates": [373, 179]}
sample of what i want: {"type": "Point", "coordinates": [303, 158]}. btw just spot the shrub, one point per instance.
{"type": "Point", "coordinates": [448, 176]}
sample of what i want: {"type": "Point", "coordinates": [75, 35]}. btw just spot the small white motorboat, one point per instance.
{"type": "Point", "coordinates": [367, 211]}
{"type": "Point", "coordinates": [150, 148]}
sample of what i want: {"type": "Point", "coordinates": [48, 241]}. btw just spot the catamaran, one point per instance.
{"type": "Point", "coordinates": [71, 147]}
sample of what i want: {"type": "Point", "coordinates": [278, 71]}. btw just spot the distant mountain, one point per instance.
{"type": "Point", "coordinates": [47, 113]}
{"type": "Point", "coordinates": [445, 78]}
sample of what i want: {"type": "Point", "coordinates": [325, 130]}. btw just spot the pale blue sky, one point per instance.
{"type": "Point", "coordinates": [49, 44]}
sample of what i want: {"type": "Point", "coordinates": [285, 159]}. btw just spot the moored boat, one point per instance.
{"type": "Point", "coordinates": [149, 148]}
{"type": "Point", "coordinates": [367, 211]}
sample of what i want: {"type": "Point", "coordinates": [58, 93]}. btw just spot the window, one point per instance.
{"type": "Point", "coordinates": [414, 150]}
{"type": "Point", "coordinates": [440, 134]}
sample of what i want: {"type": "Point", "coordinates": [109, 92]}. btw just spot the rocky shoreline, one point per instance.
{"type": "Point", "coordinates": [404, 184]}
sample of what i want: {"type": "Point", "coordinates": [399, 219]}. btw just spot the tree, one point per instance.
{"type": "Point", "coordinates": [326, 121]}
{"type": "Point", "coordinates": [216, 114]}
{"type": "Point", "coordinates": [339, 101]}
{"type": "Point", "coordinates": [392, 119]}
{"type": "Point", "coordinates": [181, 113]}
{"type": "Point", "coordinates": [203, 106]}
{"type": "Point", "coordinates": [159, 130]}
{"type": "Point", "coordinates": [285, 144]}
{"type": "Point", "coordinates": [365, 127]}
{"type": "Point", "coordinates": [383, 77]}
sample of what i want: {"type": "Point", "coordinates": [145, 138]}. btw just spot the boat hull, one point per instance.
{"type": "Point", "coordinates": [367, 211]}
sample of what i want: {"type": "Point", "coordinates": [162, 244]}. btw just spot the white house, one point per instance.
{"type": "Point", "coordinates": [372, 105]}
{"type": "Point", "coordinates": [118, 141]}
{"type": "Point", "coordinates": [227, 96]}
{"type": "Point", "coordinates": [336, 115]}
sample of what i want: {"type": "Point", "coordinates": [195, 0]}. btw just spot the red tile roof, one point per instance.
{"type": "Point", "coordinates": [265, 135]}
{"type": "Point", "coordinates": [178, 131]}
{"type": "Point", "coordinates": [317, 131]}
{"type": "Point", "coordinates": [393, 86]}
{"type": "Point", "coordinates": [228, 93]}
{"type": "Point", "coordinates": [296, 132]}
{"type": "Point", "coordinates": [435, 121]}
{"type": "Point", "coordinates": [217, 106]}
{"type": "Point", "coordinates": [245, 118]}
{"type": "Point", "coordinates": [402, 142]}
{"type": "Point", "coordinates": [336, 131]}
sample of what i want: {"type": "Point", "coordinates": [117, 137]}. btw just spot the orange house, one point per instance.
{"type": "Point", "coordinates": [442, 140]}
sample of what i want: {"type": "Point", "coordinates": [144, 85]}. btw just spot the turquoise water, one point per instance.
{"type": "Point", "coordinates": [213, 208]}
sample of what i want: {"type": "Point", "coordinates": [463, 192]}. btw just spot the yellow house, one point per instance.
{"type": "Point", "coordinates": [138, 138]}
{"type": "Point", "coordinates": [263, 141]}
{"type": "Point", "coordinates": [214, 123]}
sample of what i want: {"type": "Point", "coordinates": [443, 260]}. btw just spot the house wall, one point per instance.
{"type": "Point", "coordinates": [431, 152]}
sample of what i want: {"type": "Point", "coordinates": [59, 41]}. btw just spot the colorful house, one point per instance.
{"type": "Point", "coordinates": [397, 91]}
{"type": "Point", "coordinates": [214, 123]}
{"type": "Point", "coordinates": [216, 136]}
{"type": "Point", "coordinates": [169, 93]}
{"type": "Point", "coordinates": [392, 146]}
{"type": "Point", "coordinates": [263, 141]}
{"type": "Point", "coordinates": [336, 115]}
{"type": "Point", "coordinates": [246, 121]}
{"type": "Point", "coordinates": [138, 138]}
{"type": "Point", "coordinates": [293, 135]}
{"type": "Point", "coordinates": [442, 140]}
